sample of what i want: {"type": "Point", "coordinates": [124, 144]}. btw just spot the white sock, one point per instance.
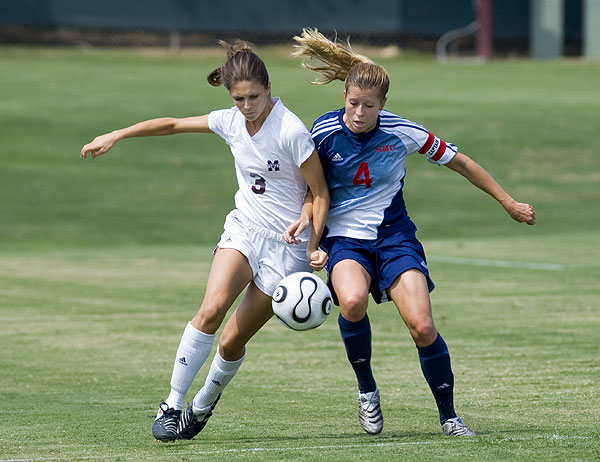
{"type": "Point", "coordinates": [193, 350]}
{"type": "Point", "coordinates": [220, 374]}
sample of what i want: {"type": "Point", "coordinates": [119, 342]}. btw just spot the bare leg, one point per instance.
{"type": "Point", "coordinates": [252, 313]}
{"type": "Point", "coordinates": [229, 274]}
{"type": "Point", "coordinates": [411, 296]}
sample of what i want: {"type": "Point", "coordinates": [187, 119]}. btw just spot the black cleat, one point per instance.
{"type": "Point", "coordinates": [191, 424]}
{"type": "Point", "coordinates": [164, 427]}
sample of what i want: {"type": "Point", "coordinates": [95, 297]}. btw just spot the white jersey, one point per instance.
{"type": "Point", "coordinates": [271, 186]}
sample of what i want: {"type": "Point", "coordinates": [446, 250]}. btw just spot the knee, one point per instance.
{"type": "Point", "coordinates": [231, 348]}
{"type": "Point", "coordinates": [354, 306]}
{"type": "Point", "coordinates": [209, 317]}
{"type": "Point", "coordinates": [423, 332]}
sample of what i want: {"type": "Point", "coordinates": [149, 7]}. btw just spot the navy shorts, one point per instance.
{"type": "Point", "coordinates": [384, 259]}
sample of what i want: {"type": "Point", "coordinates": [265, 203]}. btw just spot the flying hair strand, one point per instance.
{"type": "Point", "coordinates": [334, 58]}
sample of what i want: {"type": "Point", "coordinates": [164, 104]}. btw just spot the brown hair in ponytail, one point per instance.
{"type": "Point", "coordinates": [241, 64]}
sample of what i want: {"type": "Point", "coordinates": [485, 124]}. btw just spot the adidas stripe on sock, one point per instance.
{"type": "Point", "coordinates": [220, 374]}
{"type": "Point", "coordinates": [192, 352]}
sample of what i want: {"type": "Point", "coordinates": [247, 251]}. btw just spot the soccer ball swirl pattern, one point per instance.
{"type": "Point", "coordinates": [302, 301]}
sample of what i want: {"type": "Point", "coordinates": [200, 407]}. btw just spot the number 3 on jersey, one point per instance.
{"type": "Point", "coordinates": [362, 175]}
{"type": "Point", "coordinates": [260, 184]}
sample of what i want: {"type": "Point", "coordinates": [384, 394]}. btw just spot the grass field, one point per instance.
{"type": "Point", "coordinates": [103, 262]}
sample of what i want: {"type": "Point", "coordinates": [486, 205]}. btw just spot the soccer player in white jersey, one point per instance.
{"type": "Point", "coordinates": [369, 236]}
{"type": "Point", "coordinates": [275, 163]}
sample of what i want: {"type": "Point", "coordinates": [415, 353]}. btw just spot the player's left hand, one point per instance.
{"type": "Point", "coordinates": [294, 230]}
{"type": "Point", "coordinates": [521, 212]}
{"type": "Point", "coordinates": [317, 259]}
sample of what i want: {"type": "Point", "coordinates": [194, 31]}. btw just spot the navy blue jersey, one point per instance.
{"type": "Point", "coordinates": [365, 172]}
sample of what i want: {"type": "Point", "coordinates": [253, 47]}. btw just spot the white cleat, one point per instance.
{"type": "Point", "coordinates": [456, 427]}
{"type": "Point", "coordinates": [369, 412]}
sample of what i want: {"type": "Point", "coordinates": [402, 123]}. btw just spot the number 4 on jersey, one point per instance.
{"type": "Point", "coordinates": [362, 175]}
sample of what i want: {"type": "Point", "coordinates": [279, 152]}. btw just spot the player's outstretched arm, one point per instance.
{"type": "Point", "coordinates": [154, 127]}
{"type": "Point", "coordinates": [472, 171]}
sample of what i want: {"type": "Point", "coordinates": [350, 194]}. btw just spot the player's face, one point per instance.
{"type": "Point", "coordinates": [362, 108]}
{"type": "Point", "coordinates": [251, 98]}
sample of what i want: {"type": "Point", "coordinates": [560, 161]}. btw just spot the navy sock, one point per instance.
{"type": "Point", "coordinates": [435, 364]}
{"type": "Point", "coordinates": [357, 340]}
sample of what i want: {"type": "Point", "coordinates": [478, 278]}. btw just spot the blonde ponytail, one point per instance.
{"type": "Point", "coordinates": [338, 62]}
{"type": "Point", "coordinates": [336, 59]}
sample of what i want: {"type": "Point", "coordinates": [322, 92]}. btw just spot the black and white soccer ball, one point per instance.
{"type": "Point", "coordinates": [302, 301]}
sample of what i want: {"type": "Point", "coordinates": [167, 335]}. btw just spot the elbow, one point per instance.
{"type": "Point", "coordinates": [459, 163]}
{"type": "Point", "coordinates": [170, 126]}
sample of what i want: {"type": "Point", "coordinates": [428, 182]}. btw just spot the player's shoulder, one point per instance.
{"type": "Point", "coordinates": [281, 111]}
{"type": "Point", "coordinates": [284, 117]}
{"type": "Point", "coordinates": [226, 117]}
{"type": "Point", "coordinates": [409, 132]}
{"type": "Point", "coordinates": [288, 124]}
{"type": "Point", "coordinates": [327, 119]}
{"type": "Point", "coordinates": [394, 123]}
{"type": "Point", "coordinates": [226, 122]}
{"type": "Point", "coordinates": [229, 112]}
{"type": "Point", "coordinates": [326, 124]}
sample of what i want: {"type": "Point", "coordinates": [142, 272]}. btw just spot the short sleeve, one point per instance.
{"type": "Point", "coordinates": [417, 138]}
{"type": "Point", "coordinates": [436, 150]}
{"type": "Point", "coordinates": [221, 123]}
{"type": "Point", "coordinates": [299, 143]}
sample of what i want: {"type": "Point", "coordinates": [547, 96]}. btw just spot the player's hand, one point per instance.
{"type": "Point", "coordinates": [294, 230]}
{"type": "Point", "coordinates": [521, 212]}
{"type": "Point", "coordinates": [317, 259]}
{"type": "Point", "coordinates": [99, 146]}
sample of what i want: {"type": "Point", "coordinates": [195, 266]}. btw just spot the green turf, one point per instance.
{"type": "Point", "coordinates": [103, 262]}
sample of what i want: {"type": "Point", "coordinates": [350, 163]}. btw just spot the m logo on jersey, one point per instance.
{"type": "Point", "coordinates": [273, 165]}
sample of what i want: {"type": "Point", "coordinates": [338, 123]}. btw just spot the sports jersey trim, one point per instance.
{"type": "Point", "coordinates": [329, 120]}
{"type": "Point", "coordinates": [399, 124]}
{"type": "Point", "coordinates": [329, 125]}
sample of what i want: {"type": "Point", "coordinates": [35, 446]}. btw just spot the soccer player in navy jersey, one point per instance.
{"type": "Point", "coordinates": [369, 236]}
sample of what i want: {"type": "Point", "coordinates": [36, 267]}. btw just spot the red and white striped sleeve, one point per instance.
{"type": "Point", "coordinates": [438, 151]}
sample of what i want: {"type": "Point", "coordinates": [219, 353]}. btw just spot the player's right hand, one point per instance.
{"type": "Point", "coordinates": [522, 212]}
{"type": "Point", "coordinates": [100, 145]}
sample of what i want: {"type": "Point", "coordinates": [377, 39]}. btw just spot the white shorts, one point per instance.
{"type": "Point", "coordinates": [269, 256]}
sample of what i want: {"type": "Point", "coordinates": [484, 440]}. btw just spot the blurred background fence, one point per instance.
{"type": "Point", "coordinates": [416, 25]}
